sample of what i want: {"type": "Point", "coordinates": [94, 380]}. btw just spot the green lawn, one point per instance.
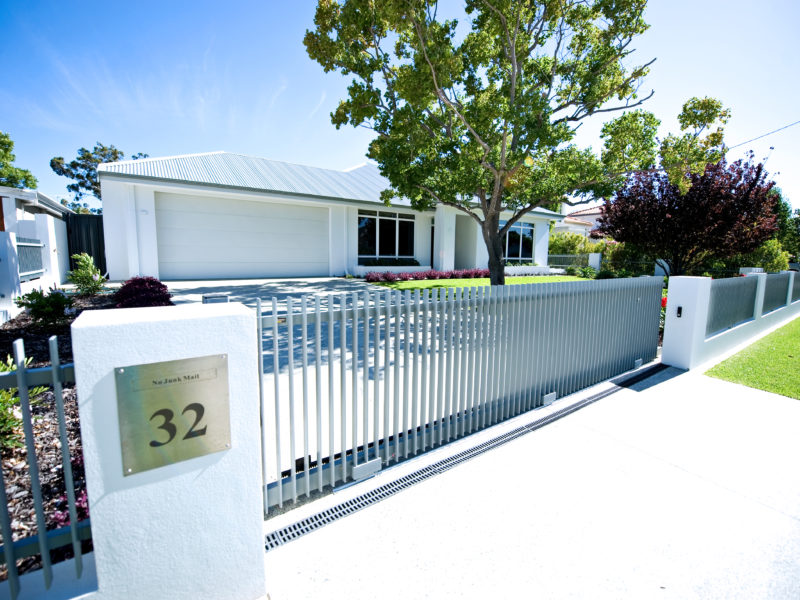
{"type": "Point", "coordinates": [482, 281]}
{"type": "Point", "coordinates": [771, 364]}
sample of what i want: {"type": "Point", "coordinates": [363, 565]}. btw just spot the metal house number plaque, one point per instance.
{"type": "Point", "coordinates": [172, 411]}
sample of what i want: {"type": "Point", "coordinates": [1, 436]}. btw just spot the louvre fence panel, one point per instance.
{"type": "Point", "coordinates": [352, 383]}
{"type": "Point", "coordinates": [29, 253]}
{"type": "Point", "coordinates": [775, 291]}
{"type": "Point", "coordinates": [567, 260]}
{"type": "Point", "coordinates": [733, 301]}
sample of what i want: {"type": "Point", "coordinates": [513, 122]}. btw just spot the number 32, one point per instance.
{"type": "Point", "coordinates": [169, 427]}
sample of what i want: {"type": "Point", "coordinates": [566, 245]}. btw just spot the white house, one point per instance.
{"type": "Point", "coordinates": [33, 245]}
{"type": "Point", "coordinates": [574, 225]}
{"type": "Point", "coordinates": [223, 215]}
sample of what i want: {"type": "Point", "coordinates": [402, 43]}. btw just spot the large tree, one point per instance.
{"type": "Point", "coordinates": [727, 210]}
{"type": "Point", "coordinates": [84, 168]}
{"type": "Point", "coordinates": [483, 120]}
{"type": "Point", "coordinates": [10, 175]}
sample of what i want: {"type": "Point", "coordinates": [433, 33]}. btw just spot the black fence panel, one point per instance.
{"type": "Point", "coordinates": [85, 234]}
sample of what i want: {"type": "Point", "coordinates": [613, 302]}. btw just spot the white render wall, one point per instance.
{"type": "Point", "coordinates": [685, 343]}
{"type": "Point", "coordinates": [192, 529]}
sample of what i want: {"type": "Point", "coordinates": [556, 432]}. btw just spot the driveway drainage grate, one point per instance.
{"type": "Point", "coordinates": [314, 522]}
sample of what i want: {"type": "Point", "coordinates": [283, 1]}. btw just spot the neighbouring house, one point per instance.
{"type": "Point", "coordinates": [33, 250]}
{"type": "Point", "coordinates": [588, 215]}
{"type": "Point", "coordinates": [221, 215]}
{"type": "Point", "coordinates": [574, 225]}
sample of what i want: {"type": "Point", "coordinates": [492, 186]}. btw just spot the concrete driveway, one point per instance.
{"type": "Point", "coordinates": [247, 291]}
{"type": "Point", "coordinates": [684, 489]}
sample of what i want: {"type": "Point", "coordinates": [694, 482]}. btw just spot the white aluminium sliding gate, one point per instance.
{"type": "Point", "coordinates": [355, 382]}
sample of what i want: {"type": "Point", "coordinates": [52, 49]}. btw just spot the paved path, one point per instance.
{"type": "Point", "coordinates": [248, 291]}
{"type": "Point", "coordinates": [685, 489]}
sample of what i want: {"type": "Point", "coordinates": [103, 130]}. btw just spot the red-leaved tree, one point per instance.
{"type": "Point", "coordinates": [727, 210]}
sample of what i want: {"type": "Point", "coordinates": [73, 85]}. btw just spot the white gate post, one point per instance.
{"type": "Point", "coordinates": [685, 324]}
{"type": "Point", "coordinates": [189, 529]}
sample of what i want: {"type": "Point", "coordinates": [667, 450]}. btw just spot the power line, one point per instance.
{"type": "Point", "coordinates": [764, 135]}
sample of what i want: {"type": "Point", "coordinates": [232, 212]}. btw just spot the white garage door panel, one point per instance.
{"type": "Point", "coordinates": [201, 237]}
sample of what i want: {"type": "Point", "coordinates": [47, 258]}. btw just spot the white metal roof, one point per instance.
{"type": "Point", "coordinates": [225, 169]}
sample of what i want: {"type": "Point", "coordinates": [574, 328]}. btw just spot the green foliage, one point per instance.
{"type": "Point", "coordinates": [788, 224]}
{"type": "Point", "coordinates": [566, 242]}
{"type": "Point", "coordinates": [10, 417]}
{"type": "Point", "coordinates": [624, 260]}
{"type": "Point", "coordinates": [770, 256]}
{"type": "Point", "coordinates": [87, 277]}
{"type": "Point", "coordinates": [10, 175]}
{"type": "Point", "coordinates": [588, 272]}
{"type": "Point", "coordinates": [84, 168]}
{"type": "Point", "coordinates": [485, 119]}
{"type": "Point", "coordinates": [690, 153]}
{"type": "Point", "coordinates": [45, 309]}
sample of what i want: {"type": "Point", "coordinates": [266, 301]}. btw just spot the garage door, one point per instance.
{"type": "Point", "coordinates": [201, 237]}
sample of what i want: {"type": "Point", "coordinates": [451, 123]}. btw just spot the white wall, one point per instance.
{"type": "Point", "coordinates": [119, 225]}
{"type": "Point", "coordinates": [541, 241]}
{"type": "Point", "coordinates": [191, 529]}
{"type": "Point", "coordinates": [338, 241]}
{"type": "Point", "coordinates": [685, 343]}
{"type": "Point", "coordinates": [444, 239]}
{"type": "Point", "coordinates": [465, 250]}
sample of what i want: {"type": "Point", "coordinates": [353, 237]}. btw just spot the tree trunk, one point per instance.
{"type": "Point", "coordinates": [494, 244]}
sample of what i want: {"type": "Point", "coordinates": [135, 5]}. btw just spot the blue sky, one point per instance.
{"type": "Point", "coordinates": [171, 78]}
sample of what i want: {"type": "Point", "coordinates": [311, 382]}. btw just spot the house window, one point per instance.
{"type": "Point", "coordinates": [383, 234]}
{"type": "Point", "coordinates": [518, 242]}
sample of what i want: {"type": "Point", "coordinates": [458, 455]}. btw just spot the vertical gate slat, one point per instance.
{"type": "Point", "coordinates": [406, 367]}
{"type": "Point", "coordinates": [387, 374]}
{"type": "Point", "coordinates": [304, 342]}
{"type": "Point", "coordinates": [354, 368]}
{"type": "Point", "coordinates": [365, 354]}
{"type": "Point", "coordinates": [343, 382]}
{"type": "Point", "coordinates": [450, 346]}
{"type": "Point", "coordinates": [427, 350]}
{"type": "Point", "coordinates": [376, 392]}
{"type": "Point", "coordinates": [415, 420]}
{"type": "Point", "coordinates": [331, 392]}
{"type": "Point", "coordinates": [396, 399]}
{"type": "Point", "coordinates": [290, 366]}
{"type": "Point", "coordinates": [318, 362]}
{"type": "Point", "coordinates": [276, 372]}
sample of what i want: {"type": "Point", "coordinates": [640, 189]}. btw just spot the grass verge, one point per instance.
{"type": "Point", "coordinates": [480, 282]}
{"type": "Point", "coordinates": [771, 364]}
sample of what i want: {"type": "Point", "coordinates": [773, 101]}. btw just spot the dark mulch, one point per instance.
{"type": "Point", "coordinates": [36, 337]}
{"type": "Point", "coordinates": [51, 473]}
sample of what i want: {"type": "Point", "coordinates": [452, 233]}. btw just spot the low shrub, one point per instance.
{"type": "Point", "coordinates": [10, 416]}
{"type": "Point", "coordinates": [588, 272]}
{"type": "Point", "coordinates": [46, 308]}
{"type": "Point", "coordinates": [372, 277]}
{"type": "Point", "coordinates": [404, 277]}
{"type": "Point", "coordinates": [573, 270]}
{"type": "Point", "coordinates": [389, 276]}
{"type": "Point", "coordinates": [605, 274]}
{"type": "Point", "coordinates": [87, 277]}
{"type": "Point", "coordinates": [140, 292]}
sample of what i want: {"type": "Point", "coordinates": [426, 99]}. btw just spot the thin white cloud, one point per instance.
{"type": "Point", "coordinates": [317, 107]}
{"type": "Point", "coordinates": [283, 87]}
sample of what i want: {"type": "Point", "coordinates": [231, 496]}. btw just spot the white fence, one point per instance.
{"type": "Point", "coordinates": [356, 382]}
{"type": "Point", "coordinates": [707, 317]}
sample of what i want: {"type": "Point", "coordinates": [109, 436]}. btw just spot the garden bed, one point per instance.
{"type": "Point", "coordinates": [46, 435]}
{"type": "Point", "coordinates": [36, 337]}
